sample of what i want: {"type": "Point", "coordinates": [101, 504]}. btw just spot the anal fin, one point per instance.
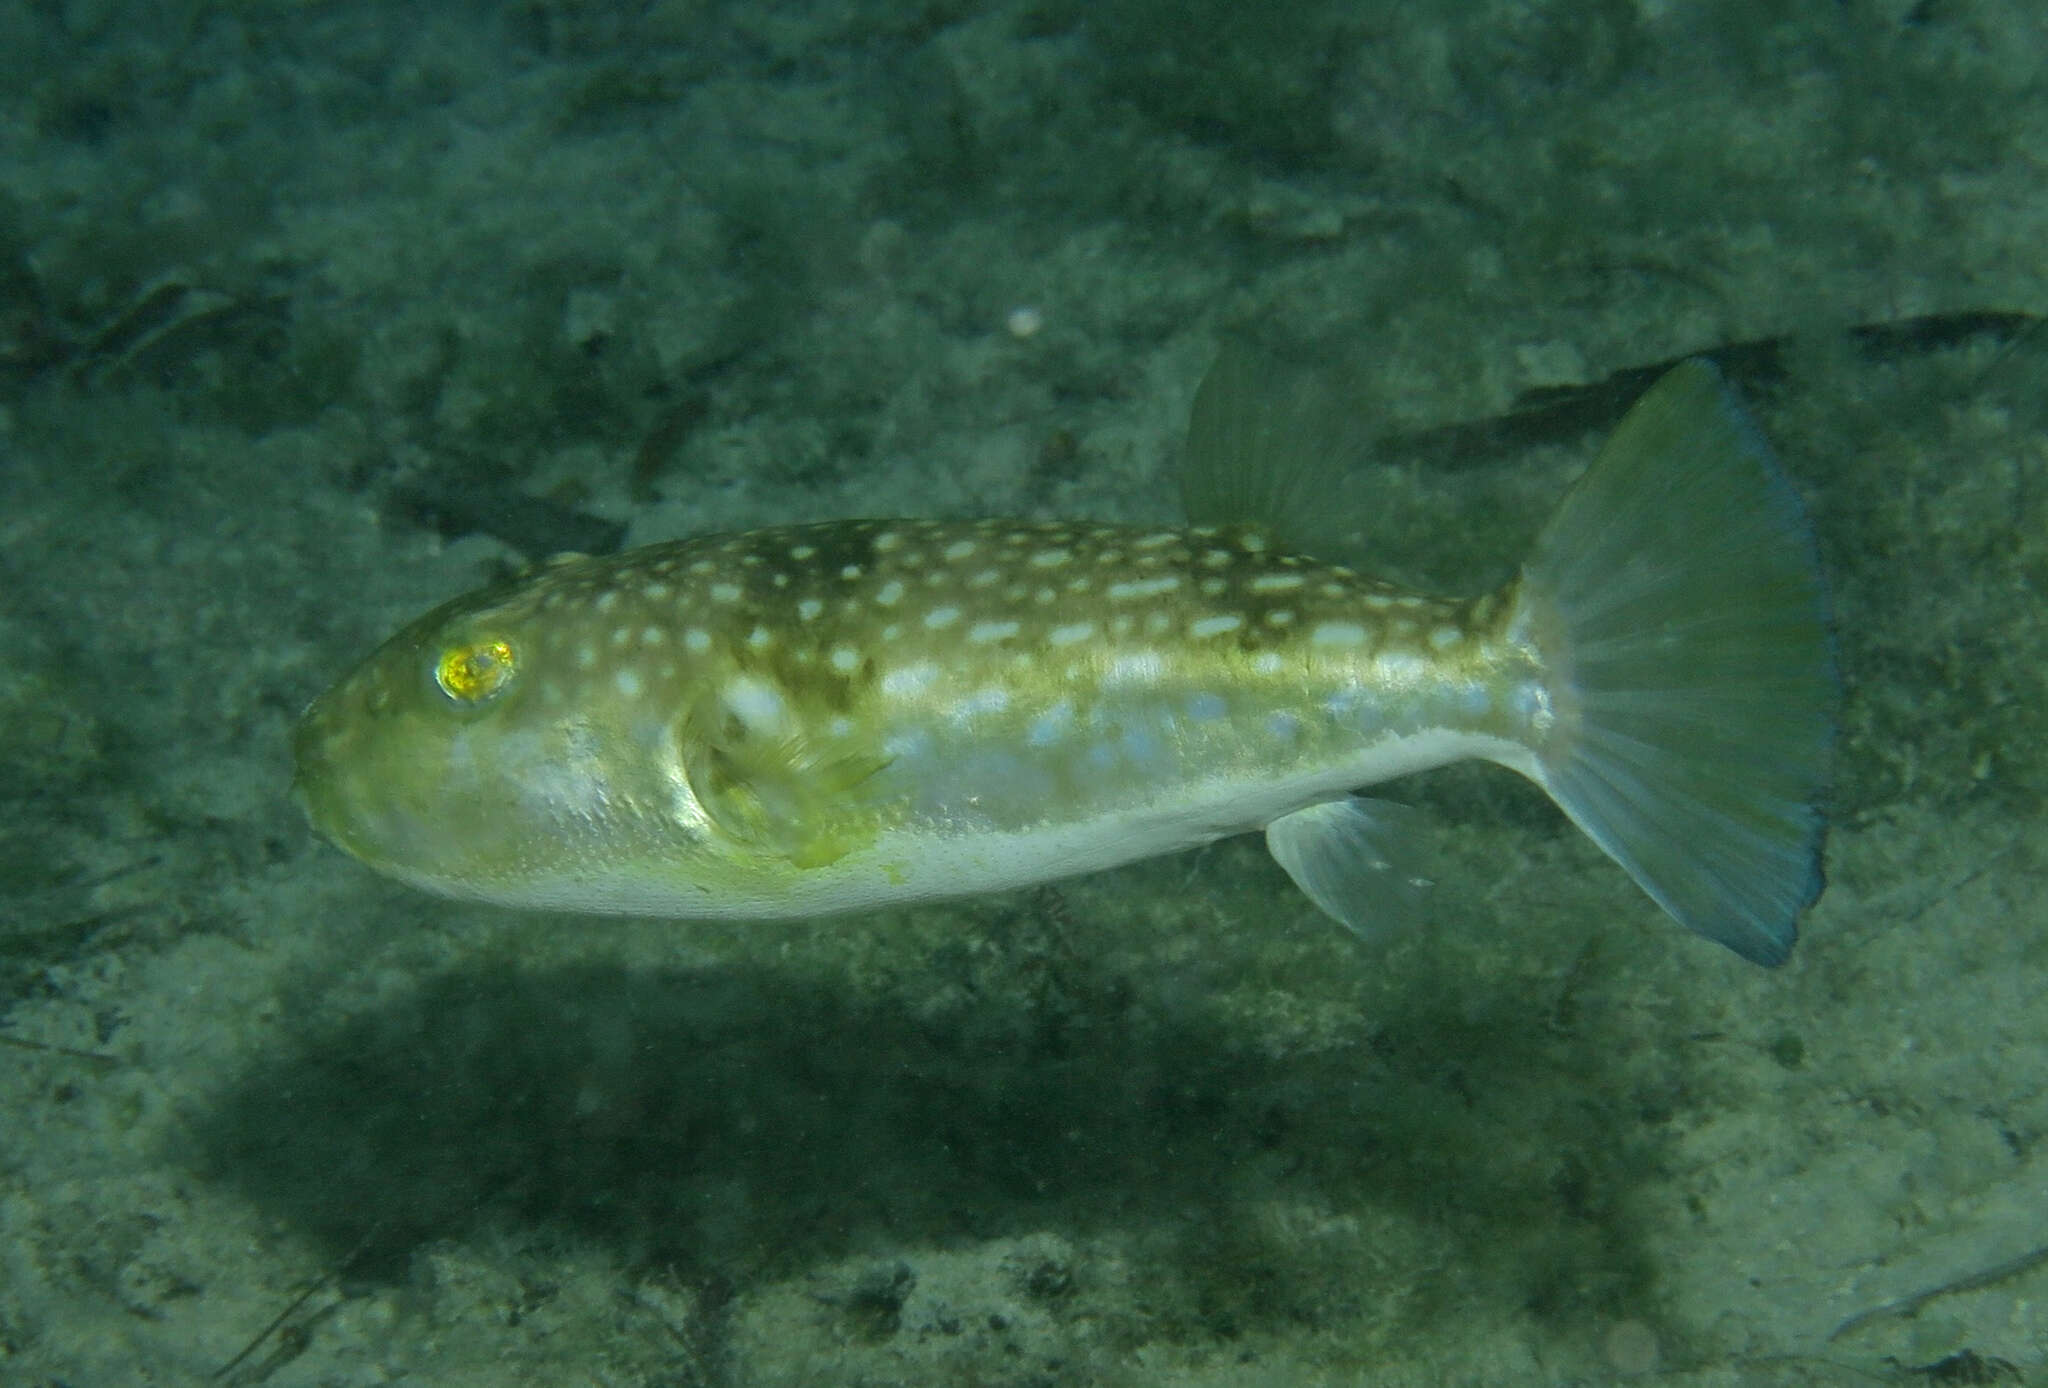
{"type": "Point", "coordinates": [1363, 862]}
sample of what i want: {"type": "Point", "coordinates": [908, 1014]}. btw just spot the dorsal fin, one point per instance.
{"type": "Point", "coordinates": [1265, 450]}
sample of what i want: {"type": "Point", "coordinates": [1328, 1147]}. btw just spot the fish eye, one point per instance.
{"type": "Point", "coordinates": [474, 672]}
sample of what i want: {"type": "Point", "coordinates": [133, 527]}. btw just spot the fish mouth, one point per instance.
{"type": "Point", "coordinates": [321, 825]}
{"type": "Point", "coordinates": [337, 818]}
{"type": "Point", "coordinates": [318, 809]}
{"type": "Point", "coordinates": [321, 783]}
{"type": "Point", "coordinates": [307, 764]}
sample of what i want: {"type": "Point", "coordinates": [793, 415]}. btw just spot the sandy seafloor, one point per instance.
{"type": "Point", "coordinates": [271, 272]}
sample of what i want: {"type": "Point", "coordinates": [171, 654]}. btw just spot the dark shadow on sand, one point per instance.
{"type": "Point", "coordinates": [739, 1121]}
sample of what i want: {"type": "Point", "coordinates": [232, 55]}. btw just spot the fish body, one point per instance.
{"type": "Point", "coordinates": [839, 716]}
{"type": "Point", "coordinates": [833, 716]}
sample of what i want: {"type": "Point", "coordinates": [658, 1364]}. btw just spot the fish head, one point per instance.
{"type": "Point", "coordinates": [499, 749]}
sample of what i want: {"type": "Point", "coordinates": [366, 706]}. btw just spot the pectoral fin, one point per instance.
{"type": "Point", "coordinates": [771, 784]}
{"type": "Point", "coordinates": [1362, 861]}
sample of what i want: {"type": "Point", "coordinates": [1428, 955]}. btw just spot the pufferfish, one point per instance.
{"type": "Point", "coordinates": [843, 716]}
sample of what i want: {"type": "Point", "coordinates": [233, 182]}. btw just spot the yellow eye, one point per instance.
{"type": "Point", "coordinates": [476, 670]}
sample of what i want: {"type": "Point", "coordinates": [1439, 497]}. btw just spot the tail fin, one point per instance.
{"type": "Point", "coordinates": [1677, 599]}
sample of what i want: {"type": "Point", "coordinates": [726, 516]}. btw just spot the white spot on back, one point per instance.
{"type": "Point", "coordinates": [941, 617]}
{"type": "Point", "coordinates": [1338, 634]}
{"type": "Point", "coordinates": [725, 592]}
{"type": "Point", "coordinates": [753, 702]}
{"type": "Point", "coordinates": [696, 640]}
{"type": "Point", "coordinates": [909, 679]}
{"type": "Point", "coordinates": [981, 633]}
{"type": "Point", "coordinates": [959, 550]}
{"type": "Point", "coordinates": [1067, 635]}
{"type": "Point", "coordinates": [809, 608]}
{"type": "Point", "coordinates": [1276, 583]}
{"type": "Point", "coordinates": [1214, 626]}
{"type": "Point", "coordinates": [845, 659]}
{"type": "Point", "coordinates": [890, 593]}
{"type": "Point", "coordinates": [1144, 587]}
{"type": "Point", "coordinates": [627, 683]}
{"type": "Point", "coordinates": [992, 699]}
